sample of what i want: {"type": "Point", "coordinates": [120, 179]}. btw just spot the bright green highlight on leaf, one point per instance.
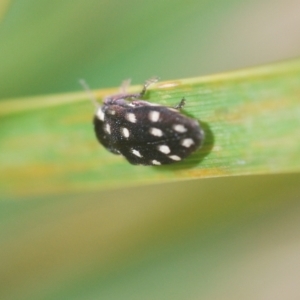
{"type": "Point", "coordinates": [251, 119]}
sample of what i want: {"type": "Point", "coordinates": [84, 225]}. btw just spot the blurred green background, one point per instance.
{"type": "Point", "coordinates": [225, 238]}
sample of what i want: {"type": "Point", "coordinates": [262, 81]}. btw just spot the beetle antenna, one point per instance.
{"type": "Point", "coordinates": [89, 92]}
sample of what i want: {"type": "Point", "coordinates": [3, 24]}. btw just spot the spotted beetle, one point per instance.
{"type": "Point", "coordinates": [145, 133]}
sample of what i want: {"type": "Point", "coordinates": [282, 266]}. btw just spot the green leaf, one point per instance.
{"type": "Point", "coordinates": [250, 118]}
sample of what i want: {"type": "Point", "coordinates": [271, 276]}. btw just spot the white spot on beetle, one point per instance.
{"type": "Point", "coordinates": [131, 117]}
{"type": "Point", "coordinates": [136, 153]}
{"type": "Point", "coordinates": [175, 157]}
{"type": "Point", "coordinates": [179, 128]}
{"type": "Point", "coordinates": [164, 149]}
{"type": "Point", "coordinates": [125, 132]}
{"type": "Point", "coordinates": [111, 111]}
{"type": "Point", "coordinates": [155, 162]}
{"type": "Point", "coordinates": [154, 116]}
{"type": "Point", "coordinates": [100, 114]}
{"type": "Point", "coordinates": [187, 143]}
{"type": "Point", "coordinates": [155, 131]}
{"type": "Point", "coordinates": [107, 128]}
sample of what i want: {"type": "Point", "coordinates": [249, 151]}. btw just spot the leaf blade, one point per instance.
{"type": "Point", "coordinates": [250, 117]}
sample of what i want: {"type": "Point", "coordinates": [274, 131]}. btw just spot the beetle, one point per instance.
{"type": "Point", "coordinates": [145, 133]}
